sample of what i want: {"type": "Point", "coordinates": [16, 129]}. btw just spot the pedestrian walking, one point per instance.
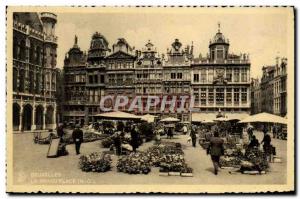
{"type": "Point", "coordinates": [77, 136]}
{"type": "Point", "coordinates": [117, 138]}
{"type": "Point", "coordinates": [134, 138]}
{"type": "Point", "coordinates": [216, 150]}
{"type": "Point", "coordinates": [170, 133]}
{"type": "Point", "coordinates": [250, 132]}
{"type": "Point", "coordinates": [193, 136]}
{"type": "Point", "coordinates": [267, 145]}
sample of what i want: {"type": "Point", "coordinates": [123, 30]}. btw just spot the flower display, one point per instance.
{"type": "Point", "coordinates": [95, 162]}
{"type": "Point", "coordinates": [134, 163]}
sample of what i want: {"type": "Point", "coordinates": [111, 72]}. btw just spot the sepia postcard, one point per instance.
{"type": "Point", "coordinates": [150, 99]}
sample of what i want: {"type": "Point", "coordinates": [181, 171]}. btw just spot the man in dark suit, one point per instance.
{"type": "Point", "coordinates": [134, 138]}
{"type": "Point", "coordinates": [216, 149]}
{"type": "Point", "coordinates": [77, 136]}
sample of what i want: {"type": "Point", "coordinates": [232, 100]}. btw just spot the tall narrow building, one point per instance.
{"type": "Point", "coordinates": [95, 75]}
{"type": "Point", "coordinates": [221, 81]}
{"type": "Point", "coordinates": [74, 74]}
{"type": "Point", "coordinates": [148, 76]}
{"type": "Point", "coordinates": [177, 79]}
{"type": "Point", "coordinates": [34, 71]}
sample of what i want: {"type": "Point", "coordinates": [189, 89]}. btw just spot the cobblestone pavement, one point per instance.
{"type": "Point", "coordinates": [32, 167]}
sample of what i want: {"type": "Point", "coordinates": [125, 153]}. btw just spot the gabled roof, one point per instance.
{"type": "Point", "coordinates": [121, 55]}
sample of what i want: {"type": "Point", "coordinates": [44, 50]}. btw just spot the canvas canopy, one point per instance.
{"type": "Point", "coordinates": [170, 119]}
{"type": "Point", "coordinates": [264, 117]}
{"type": "Point", "coordinates": [212, 117]}
{"type": "Point", "coordinates": [148, 118]}
{"type": "Point", "coordinates": [118, 115]}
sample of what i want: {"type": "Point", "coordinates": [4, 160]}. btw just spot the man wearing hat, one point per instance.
{"type": "Point", "coordinates": [77, 136]}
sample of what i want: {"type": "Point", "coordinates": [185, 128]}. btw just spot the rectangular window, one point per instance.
{"type": "Point", "coordinates": [211, 96]}
{"type": "Point", "coordinates": [179, 75]}
{"type": "Point", "coordinates": [244, 75]}
{"type": "Point", "coordinates": [196, 95]}
{"type": "Point", "coordinates": [210, 75]}
{"type": "Point", "coordinates": [90, 79]}
{"type": "Point", "coordinates": [120, 79]}
{"type": "Point", "coordinates": [220, 53]}
{"type": "Point", "coordinates": [203, 75]}
{"type": "Point", "coordinates": [229, 96]}
{"type": "Point", "coordinates": [196, 77]}
{"type": "Point", "coordinates": [236, 75]}
{"type": "Point", "coordinates": [229, 75]}
{"type": "Point", "coordinates": [102, 79]}
{"type": "Point", "coordinates": [203, 96]}
{"type": "Point", "coordinates": [244, 95]}
{"type": "Point", "coordinates": [96, 79]}
{"type": "Point", "coordinates": [220, 96]}
{"type": "Point", "coordinates": [236, 96]}
{"type": "Point", "coordinates": [173, 75]}
{"type": "Point", "coordinates": [111, 79]}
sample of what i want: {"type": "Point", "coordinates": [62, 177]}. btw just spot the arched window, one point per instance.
{"type": "Point", "coordinates": [22, 80]}
{"type": "Point", "coordinates": [15, 79]}
{"type": "Point", "coordinates": [22, 50]}
{"type": "Point", "coordinates": [38, 55]}
{"type": "Point", "coordinates": [31, 53]}
{"type": "Point", "coordinates": [15, 48]}
{"type": "Point", "coordinates": [31, 82]}
{"type": "Point", "coordinates": [37, 83]}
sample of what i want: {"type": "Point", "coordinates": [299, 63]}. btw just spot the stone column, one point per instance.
{"type": "Point", "coordinates": [21, 118]}
{"type": "Point", "coordinates": [33, 126]}
{"type": "Point", "coordinates": [44, 118]}
{"type": "Point", "coordinates": [54, 118]}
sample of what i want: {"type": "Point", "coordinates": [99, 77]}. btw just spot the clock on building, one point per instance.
{"type": "Point", "coordinates": [220, 72]}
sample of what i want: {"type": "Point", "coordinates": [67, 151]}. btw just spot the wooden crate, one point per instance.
{"type": "Point", "coordinates": [172, 173]}
{"type": "Point", "coordinates": [186, 175]}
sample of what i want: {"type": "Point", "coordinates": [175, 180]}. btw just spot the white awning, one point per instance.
{"type": "Point", "coordinates": [265, 117]}
{"type": "Point", "coordinates": [118, 115]}
{"type": "Point", "coordinates": [211, 117]}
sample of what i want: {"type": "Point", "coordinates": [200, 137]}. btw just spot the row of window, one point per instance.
{"type": "Point", "coordinates": [120, 65]}
{"type": "Point", "coordinates": [231, 75]}
{"type": "Point", "coordinates": [22, 83]}
{"type": "Point", "coordinates": [149, 76]}
{"type": "Point", "coordinates": [146, 90]}
{"type": "Point", "coordinates": [95, 79]}
{"type": "Point", "coordinates": [210, 96]}
{"type": "Point", "coordinates": [34, 54]}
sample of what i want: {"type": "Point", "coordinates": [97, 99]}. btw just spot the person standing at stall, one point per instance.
{"type": "Point", "coordinates": [134, 138]}
{"type": "Point", "coordinates": [60, 130]}
{"type": "Point", "coordinates": [118, 143]}
{"type": "Point", "coordinates": [216, 150]}
{"type": "Point", "coordinates": [77, 136]}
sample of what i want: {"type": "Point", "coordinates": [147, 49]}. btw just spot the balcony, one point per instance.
{"type": "Point", "coordinates": [36, 34]}
{"type": "Point", "coordinates": [20, 27]}
{"type": "Point", "coordinates": [51, 39]}
{"type": "Point", "coordinates": [74, 113]}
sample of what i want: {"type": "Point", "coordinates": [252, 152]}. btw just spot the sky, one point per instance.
{"type": "Point", "coordinates": [262, 34]}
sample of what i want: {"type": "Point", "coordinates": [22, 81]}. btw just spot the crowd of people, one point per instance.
{"type": "Point", "coordinates": [214, 134]}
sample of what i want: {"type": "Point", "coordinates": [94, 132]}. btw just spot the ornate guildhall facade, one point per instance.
{"type": "Point", "coordinates": [219, 82]}
{"type": "Point", "coordinates": [34, 71]}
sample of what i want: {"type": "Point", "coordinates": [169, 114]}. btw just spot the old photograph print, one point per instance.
{"type": "Point", "coordinates": [160, 100]}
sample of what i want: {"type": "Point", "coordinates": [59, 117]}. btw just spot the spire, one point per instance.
{"type": "Point", "coordinates": [219, 27]}
{"type": "Point", "coordinates": [75, 42]}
